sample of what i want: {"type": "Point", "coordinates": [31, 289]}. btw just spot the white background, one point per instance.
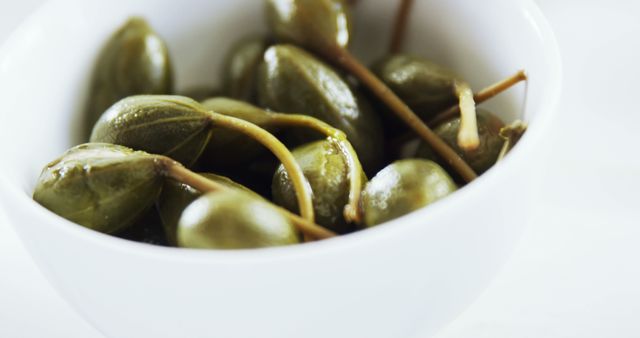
{"type": "Point", "coordinates": [576, 272]}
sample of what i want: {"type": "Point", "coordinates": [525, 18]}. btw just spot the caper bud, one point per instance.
{"type": "Point", "coordinates": [103, 187]}
{"type": "Point", "coordinates": [174, 126]}
{"type": "Point", "coordinates": [241, 68]}
{"type": "Point", "coordinates": [313, 24]}
{"type": "Point", "coordinates": [177, 196]}
{"type": "Point", "coordinates": [326, 171]}
{"type": "Point", "coordinates": [425, 86]}
{"type": "Point", "coordinates": [402, 187]}
{"type": "Point", "coordinates": [293, 81]}
{"type": "Point", "coordinates": [134, 61]}
{"type": "Point", "coordinates": [233, 220]}
{"type": "Point", "coordinates": [480, 159]}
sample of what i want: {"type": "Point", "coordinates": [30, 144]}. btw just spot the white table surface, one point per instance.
{"type": "Point", "coordinates": [576, 271]}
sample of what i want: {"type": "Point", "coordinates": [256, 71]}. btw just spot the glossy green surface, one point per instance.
{"type": "Point", "coordinates": [177, 196]}
{"type": "Point", "coordinates": [426, 87]}
{"type": "Point", "coordinates": [174, 126]}
{"type": "Point", "coordinates": [134, 61]}
{"type": "Point", "coordinates": [402, 187]}
{"type": "Point", "coordinates": [293, 81]}
{"type": "Point", "coordinates": [313, 24]}
{"type": "Point", "coordinates": [103, 187]}
{"type": "Point", "coordinates": [234, 220]}
{"type": "Point", "coordinates": [241, 67]}
{"type": "Point", "coordinates": [481, 159]}
{"type": "Point", "coordinates": [327, 173]}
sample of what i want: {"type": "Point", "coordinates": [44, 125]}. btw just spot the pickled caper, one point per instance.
{"type": "Point", "coordinates": [176, 196]}
{"type": "Point", "coordinates": [103, 187]}
{"type": "Point", "coordinates": [327, 172]}
{"type": "Point", "coordinates": [134, 61]}
{"type": "Point", "coordinates": [294, 81]}
{"type": "Point", "coordinates": [480, 159]}
{"type": "Point", "coordinates": [402, 187]}
{"type": "Point", "coordinates": [240, 69]}
{"type": "Point", "coordinates": [233, 220]}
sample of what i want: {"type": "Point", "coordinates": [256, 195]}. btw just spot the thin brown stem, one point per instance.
{"type": "Point", "coordinates": [400, 26]}
{"type": "Point", "coordinates": [345, 59]}
{"type": "Point", "coordinates": [178, 172]}
{"type": "Point", "coordinates": [308, 228]}
{"type": "Point", "coordinates": [481, 96]}
{"type": "Point", "coordinates": [511, 135]}
{"type": "Point", "coordinates": [299, 182]}
{"type": "Point", "coordinates": [339, 139]}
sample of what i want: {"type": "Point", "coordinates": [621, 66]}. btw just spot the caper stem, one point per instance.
{"type": "Point", "coordinates": [468, 138]}
{"type": "Point", "coordinates": [282, 119]}
{"type": "Point", "coordinates": [511, 135]}
{"type": "Point", "coordinates": [299, 182]}
{"type": "Point", "coordinates": [345, 59]}
{"type": "Point", "coordinates": [178, 172]}
{"type": "Point", "coordinates": [310, 229]}
{"type": "Point", "coordinates": [354, 167]}
{"type": "Point", "coordinates": [481, 96]}
{"type": "Point", "coordinates": [400, 26]}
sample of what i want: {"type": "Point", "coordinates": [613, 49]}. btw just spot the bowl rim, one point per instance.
{"type": "Point", "coordinates": [390, 229]}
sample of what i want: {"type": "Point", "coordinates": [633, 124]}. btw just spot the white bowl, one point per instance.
{"type": "Point", "coordinates": [417, 272]}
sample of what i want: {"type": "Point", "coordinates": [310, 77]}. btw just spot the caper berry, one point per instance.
{"type": "Point", "coordinates": [233, 220]}
{"type": "Point", "coordinates": [402, 187]}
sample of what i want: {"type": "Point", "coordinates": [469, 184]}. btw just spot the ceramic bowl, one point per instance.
{"type": "Point", "coordinates": [411, 275]}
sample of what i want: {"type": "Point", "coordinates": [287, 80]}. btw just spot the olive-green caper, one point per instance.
{"type": "Point", "coordinates": [174, 126]}
{"type": "Point", "coordinates": [103, 187]}
{"type": "Point", "coordinates": [234, 220]}
{"type": "Point", "coordinates": [134, 61]}
{"type": "Point", "coordinates": [176, 196]}
{"type": "Point", "coordinates": [426, 87]}
{"type": "Point", "coordinates": [313, 24]}
{"type": "Point", "coordinates": [480, 159]}
{"type": "Point", "coordinates": [241, 68]}
{"type": "Point", "coordinates": [402, 187]}
{"type": "Point", "coordinates": [326, 171]}
{"type": "Point", "coordinates": [293, 81]}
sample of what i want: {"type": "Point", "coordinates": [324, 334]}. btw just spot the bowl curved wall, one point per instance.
{"type": "Point", "coordinates": [418, 271]}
